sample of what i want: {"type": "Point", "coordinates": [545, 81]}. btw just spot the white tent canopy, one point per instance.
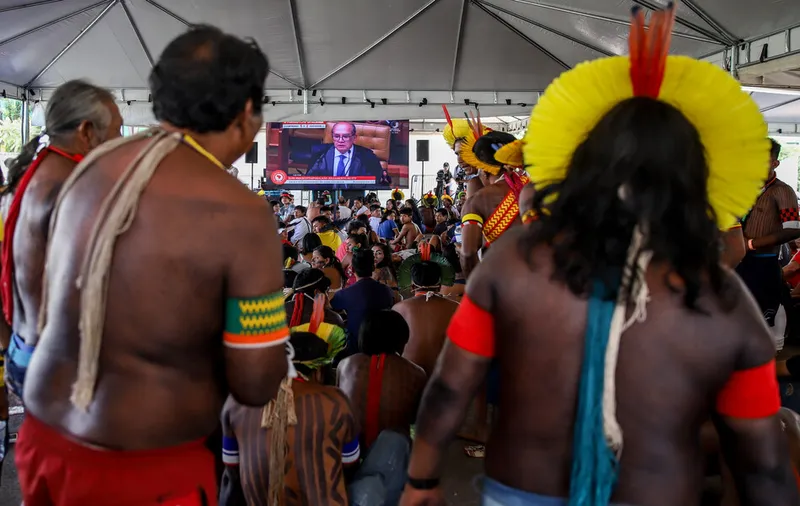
{"type": "Point", "coordinates": [411, 54]}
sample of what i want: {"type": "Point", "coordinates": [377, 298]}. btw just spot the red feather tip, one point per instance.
{"type": "Point", "coordinates": [649, 50]}
{"type": "Point", "coordinates": [447, 116]}
{"type": "Point", "coordinates": [425, 251]}
{"type": "Point", "coordinates": [317, 313]}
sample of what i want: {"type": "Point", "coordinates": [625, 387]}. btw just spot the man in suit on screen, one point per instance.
{"type": "Point", "coordinates": [344, 157]}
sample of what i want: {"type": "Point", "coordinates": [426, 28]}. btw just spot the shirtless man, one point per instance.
{"type": "Point", "coordinates": [322, 443]}
{"type": "Point", "coordinates": [459, 134]}
{"type": "Point", "coordinates": [79, 117]}
{"type": "Point", "coordinates": [409, 233]}
{"type": "Point", "coordinates": [182, 320]}
{"type": "Point", "coordinates": [383, 387]}
{"type": "Point", "coordinates": [320, 462]}
{"type": "Point", "coordinates": [427, 314]}
{"type": "Point", "coordinates": [492, 210]}
{"type": "Point", "coordinates": [702, 333]}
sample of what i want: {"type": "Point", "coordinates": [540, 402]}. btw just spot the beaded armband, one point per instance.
{"type": "Point", "coordinates": [256, 322]}
{"type": "Point", "coordinates": [472, 219]}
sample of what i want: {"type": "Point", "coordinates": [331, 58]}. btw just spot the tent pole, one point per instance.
{"type": "Point", "coordinates": [609, 19]}
{"type": "Point", "coordinates": [297, 43]}
{"type": "Point", "coordinates": [26, 120]}
{"type": "Point", "coordinates": [735, 61]}
{"type": "Point", "coordinates": [375, 44]}
{"type": "Point", "coordinates": [551, 30]}
{"type": "Point", "coordinates": [186, 23]}
{"type": "Point", "coordinates": [522, 35]}
{"type": "Point", "coordinates": [51, 23]}
{"type": "Point", "coordinates": [137, 32]}
{"type": "Point", "coordinates": [74, 41]}
{"type": "Point", "coordinates": [456, 58]}
{"type": "Point", "coordinates": [688, 24]}
{"type": "Point", "coordinates": [778, 106]}
{"type": "Point", "coordinates": [25, 6]}
{"type": "Point", "coordinates": [710, 21]}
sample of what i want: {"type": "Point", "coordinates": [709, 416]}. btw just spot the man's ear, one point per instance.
{"type": "Point", "coordinates": [85, 132]}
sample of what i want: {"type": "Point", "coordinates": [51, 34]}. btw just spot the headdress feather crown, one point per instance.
{"type": "Point", "coordinates": [731, 127]}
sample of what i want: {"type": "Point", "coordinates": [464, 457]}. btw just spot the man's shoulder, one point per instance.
{"type": "Point", "coordinates": [364, 152]}
{"type": "Point", "coordinates": [414, 370]}
{"type": "Point", "coordinates": [780, 187]}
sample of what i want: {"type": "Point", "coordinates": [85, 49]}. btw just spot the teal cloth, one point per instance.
{"type": "Point", "coordinates": [594, 465]}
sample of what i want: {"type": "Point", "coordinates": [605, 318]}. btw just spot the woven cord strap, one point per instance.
{"type": "Point", "coordinates": [634, 277]}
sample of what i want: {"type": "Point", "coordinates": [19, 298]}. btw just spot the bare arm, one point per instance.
{"type": "Point", "coordinates": [458, 375]}
{"type": "Point", "coordinates": [776, 239]}
{"type": "Point", "coordinates": [403, 233]}
{"type": "Point", "coordinates": [255, 333]}
{"type": "Point", "coordinates": [733, 247]}
{"type": "Point", "coordinates": [751, 439]}
{"type": "Point", "coordinates": [786, 202]}
{"type": "Point", "coordinates": [471, 236]}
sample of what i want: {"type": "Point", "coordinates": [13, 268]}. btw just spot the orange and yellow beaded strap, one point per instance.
{"type": "Point", "coordinates": [255, 322]}
{"type": "Point", "coordinates": [502, 218]}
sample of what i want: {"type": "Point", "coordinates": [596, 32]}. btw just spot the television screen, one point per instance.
{"type": "Point", "coordinates": [353, 155]}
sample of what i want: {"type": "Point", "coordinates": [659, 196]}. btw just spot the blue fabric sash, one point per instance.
{"type": "Point", "coordinates": [594, 465]}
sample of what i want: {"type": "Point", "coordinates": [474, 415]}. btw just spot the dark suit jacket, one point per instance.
{"type": "Point", "coordinates": [364, 163]}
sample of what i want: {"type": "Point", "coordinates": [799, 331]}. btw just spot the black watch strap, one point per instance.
{"type": "Point", "coordinates": [427, 484]}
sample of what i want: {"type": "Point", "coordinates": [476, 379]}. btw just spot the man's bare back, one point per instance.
{"type": "Point", "coordinates": [162, 378]}
{"type": "Point", "coordinates": [401, 390]}
{"type": "Point", "coordinates": [314, 462]}
{"type": "Point", "coordinates": [30, 242]}
{"type": "Point", "coordinates": [670, 369]}
{"type": "Point", "coordinates": [428, 319]}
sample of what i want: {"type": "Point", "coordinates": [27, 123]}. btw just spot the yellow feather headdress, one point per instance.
{"type": "Point", "coordinates": [731, 127]}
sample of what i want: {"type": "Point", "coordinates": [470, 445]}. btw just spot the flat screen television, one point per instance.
{"type": "Point", "coordinates": [352, 155]}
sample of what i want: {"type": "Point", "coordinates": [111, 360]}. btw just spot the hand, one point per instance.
{"type": "Point", "coordinates": [414, 497]}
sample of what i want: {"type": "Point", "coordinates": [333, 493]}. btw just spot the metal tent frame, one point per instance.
{"type": "Point", "coordinates": [734, 53]}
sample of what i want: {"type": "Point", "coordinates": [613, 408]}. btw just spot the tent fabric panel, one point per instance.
{"type": "Point", "coordinates": [568, 51]}
{"type": "Point", "coordinates": [15, 22]}
{"type": "Point", "coordinates": [488, 45]}
{"type": "Point", "coordinates": [157, 29]}
{"type": "Point", "coordinates": [332, 32]}
{"type": "Point", "coordinates": [111, 45]}
{"type": "Point", "coordinates": [750, 19]}
{"type": "Point", "coordinates": [268, 22]}
{"type": "Point", "coordinates": [603, 34]}
{"type": "Point", "coordinates": [765, 100]}
{"type": "Point", "coordinates": [418, 56]}
{"type": "Point", "coordinates": [789, 113]}
{"type": "Point", "coordinates": [618, 9]}
{"type": "Point", "coordinates": [22, 59]}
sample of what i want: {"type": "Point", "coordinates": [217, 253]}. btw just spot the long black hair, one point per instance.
{"type": "Point", "coordinates": [328, 254]}
{"type": "Point", "coordinates": [642, 164]}
{"type": "Point", "coordinates": [487, 145]}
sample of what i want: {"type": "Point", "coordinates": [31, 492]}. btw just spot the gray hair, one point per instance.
{"type": "Point", "coordinates": [75, 102]}
{"type": "Point", "coordinates": [72, 103]}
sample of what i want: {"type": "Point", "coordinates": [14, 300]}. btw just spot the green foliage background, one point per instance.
{"type": "Point", "coordinates": [10, 125]}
